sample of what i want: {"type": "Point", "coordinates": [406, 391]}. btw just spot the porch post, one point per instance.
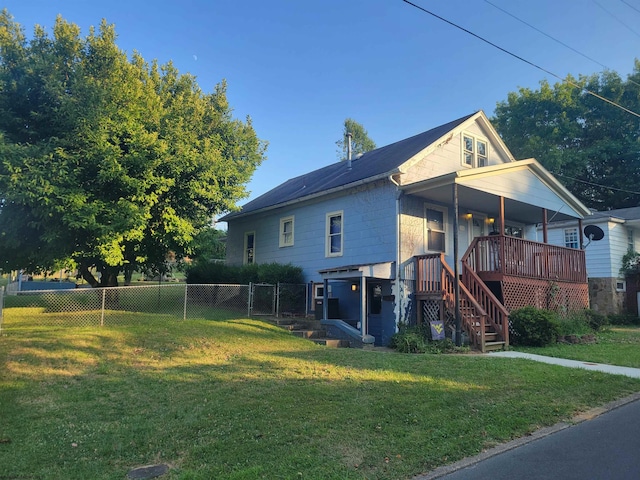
{"type": "Point", "coordinates": [580, 234]}
{"type": "Point", "coordinates": [545, 236]}
{"type": "Point", "coordinates": [502, 228]}
{"type": "Point", "coordinates": [325, 299]}
{"type": "Point", "coordinates": [363, 305]}
{"type": "Point", "coordinates": [456, 279]}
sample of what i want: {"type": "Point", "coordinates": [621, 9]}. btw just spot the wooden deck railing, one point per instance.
{"type": "Point", "coordinates": [436, 277]}
{"type": "Point", "coordinates": [495, 256]}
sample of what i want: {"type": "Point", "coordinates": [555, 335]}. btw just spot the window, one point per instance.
{"type": "Point", "coordinates": [621, 285]}
{"type": "Point", "coordinates": [334, 235]}
{"type": "Point", "coordinates": [630, 241]}
{"type": "Point", "coordinates": [249, 248]}
{"type": "Point", "coordinates": [475, 152]}
{"type": "Point", "coordinates": [318, 290]}
{"type": "Point", "coordinates": [571, 238]}
{"type": "Point", "coordinates": [286, 232]}
{"type": "Point", "coordinates": [435, 219]}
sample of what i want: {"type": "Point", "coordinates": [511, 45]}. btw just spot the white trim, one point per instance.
{"type": "Point", "coordinates": [474, 152]}
{"type": "Point", "coordinates": [245, 250]}
{"type": "Point", "coordinates": [624, 285]}
{"type": "Point", "coordinates": [327, 235]}
{"type": "Point", "coordinates": [282, 237]}
{"type": "Point", "coordinates": [572, 231]}
{"type": "Point", "coordinates": [445, 213]}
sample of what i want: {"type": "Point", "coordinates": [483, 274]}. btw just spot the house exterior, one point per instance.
{"type": "Point", "coordinates": [430, 228]}
{"type": "Point", "coordinates": [620, 229]}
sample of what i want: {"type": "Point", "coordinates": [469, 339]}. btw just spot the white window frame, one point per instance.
{"type": "Point", "coordinates": [445, 212]}
{"type": "Point", "coordinates": [474, 153]}
{"type": "Point", "coordinates": [245, 250]}
{"type": "Point", "coordinates": [283, 241]}
{"type": "Point", "coordinates": [328, 235]}
{"type": "Point", "coordinates": [571, 237]}
{"type": "Point", "coordinates": [623, 287]}
{"type": "Point", "coordinates": [318, 290]}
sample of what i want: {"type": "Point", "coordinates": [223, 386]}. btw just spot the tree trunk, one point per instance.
{"type": "Point", "coordinates": [109, 276]}
{"type": "Point", "coordinates": [88, 276]}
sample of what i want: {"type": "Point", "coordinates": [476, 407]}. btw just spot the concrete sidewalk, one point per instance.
{"type": "Point", "coordinates": [598, 367]}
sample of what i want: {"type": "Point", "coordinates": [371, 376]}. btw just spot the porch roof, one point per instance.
{"type": "Point", "coordinates": [383, 270]}
{"type": "Point", "coordinates": [526, 186]}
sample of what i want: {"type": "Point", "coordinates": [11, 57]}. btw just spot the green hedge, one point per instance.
{"type": "Point", "coordinates": [534, 327]}
{"type": "Point", "coordinates": [206, 272]}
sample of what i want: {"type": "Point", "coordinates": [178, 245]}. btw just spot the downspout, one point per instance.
{"type": "Point", "coordinates": [398, 247]}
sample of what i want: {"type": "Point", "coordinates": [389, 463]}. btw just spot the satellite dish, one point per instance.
{"type": "Point", "coordinates": [593, 233]}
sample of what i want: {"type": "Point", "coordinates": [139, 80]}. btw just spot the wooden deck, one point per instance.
{"type": "Point", "coordinates": [522, 273]}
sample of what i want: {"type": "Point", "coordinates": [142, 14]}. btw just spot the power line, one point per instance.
{"type": "Point", "coordinates": [548, 72]}
{"type": "Point", "coordinates": [630, 6]}
{"type": "Point", "coordinates": [597, 184]}
{"type": "Point", "coordinates": [617, 19]}
{"type": "Point", "coordinates": [555, 39]}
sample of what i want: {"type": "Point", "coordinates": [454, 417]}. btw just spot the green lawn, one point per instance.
{"type": "Point", "coordinates": [241, 399]}
{"type": "Point", "coordinates": [615, 346]}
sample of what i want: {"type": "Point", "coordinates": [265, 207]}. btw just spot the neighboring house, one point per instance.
{"type": "Point", "coordinates": [621, 233]}
{"type": "Point", "coordinates": [376, 236]}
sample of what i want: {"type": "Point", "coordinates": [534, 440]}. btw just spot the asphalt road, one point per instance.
{"type": "Point", "coordinates": [606, 447]}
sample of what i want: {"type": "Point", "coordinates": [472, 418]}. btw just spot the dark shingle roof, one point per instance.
{"type": "Point", "coordinates": [631, 213]}
{"type": "Point", "coordinates": [383, 160]}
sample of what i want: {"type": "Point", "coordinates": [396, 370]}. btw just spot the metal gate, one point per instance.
{"type": "Point", "coordinates": [262, 299]}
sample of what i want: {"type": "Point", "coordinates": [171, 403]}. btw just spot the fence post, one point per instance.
{"type": "Point", "coordinates": [104, 296]}
{"type": "Point", "coordinates": [277, 299]}
{"type": "Point", "coordinates": [184, 313]}
{"type": "Point", "coordinates": [249, 300]}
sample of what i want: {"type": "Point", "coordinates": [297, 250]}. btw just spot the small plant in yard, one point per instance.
{"type": "Point", "coordinates": [534, 327]}
{"type": "Point", "coordinates": [417, 339]}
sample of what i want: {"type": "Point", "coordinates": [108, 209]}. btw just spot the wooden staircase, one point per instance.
{"type": "Point", "coordinates": [483, 317]}
{"type": "Point", "coordinates": [311, 330]}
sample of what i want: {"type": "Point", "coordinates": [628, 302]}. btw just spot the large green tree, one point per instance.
{"type": "Point", "coordinates": [108, 161]}
{"type": "Point", "coordinates": [360, 141]}
{"type": "Point", "coordinates": [591, 145]}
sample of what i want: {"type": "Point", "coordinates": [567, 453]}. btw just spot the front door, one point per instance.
{"type": "Point", "coordinates": [380, 311]}
{"type": "Point", "coordinates": [471, 225]}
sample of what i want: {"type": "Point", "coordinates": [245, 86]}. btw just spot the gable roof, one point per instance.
{"type": "Point", "coordinates": [373, 165]}
{"type": "Point", "coordinates": [629, 216]}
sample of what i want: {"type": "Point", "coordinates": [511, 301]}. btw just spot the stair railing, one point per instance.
{"type": "Point", "coordinates": [497, 314]}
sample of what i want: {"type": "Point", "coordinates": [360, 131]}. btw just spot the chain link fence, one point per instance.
{"type": "Point", "coordinates": [87, 307]}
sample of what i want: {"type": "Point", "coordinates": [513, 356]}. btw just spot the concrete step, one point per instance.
{"type": "Point", "coordinates": [331, 342]}
{"type": "Point", "coordinates": [309, 333]}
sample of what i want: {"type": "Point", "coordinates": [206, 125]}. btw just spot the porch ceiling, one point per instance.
{"type": "Point", "coordinates": [472, 200]}
{"type": "Point", "coordinates": [525, 185]}
{"type": "Point", "coordinates": [349, 272]}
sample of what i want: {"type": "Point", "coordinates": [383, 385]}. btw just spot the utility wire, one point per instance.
{"type": "Point", "coordinates": [617, 19]}
{"type": "Point", "coordinates": [597, 184]}
{"type": "Point", "coordinates": [630, 6]}
{"type": "Point", "coordinates": [548, 72]}
{"type": "Point", "coordinates": [555, 39]}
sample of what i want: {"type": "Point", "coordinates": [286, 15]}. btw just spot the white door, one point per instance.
{"type": "Point", "coordinates": [470, 226]}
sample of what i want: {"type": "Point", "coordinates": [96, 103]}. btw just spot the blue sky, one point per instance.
{"type": "Point", "coordinates": [299, 68]}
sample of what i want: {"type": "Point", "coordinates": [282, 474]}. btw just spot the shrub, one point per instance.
{"type": "Point", "coordinates": [417, 339]}
{"type": "Point", "coordinates": [595, 320]}
{"type": "Point", "coordinates": [534, 327]}
{"type": "Point", "coordinates": [209, 272]}
{"type": "Point", "coordinates": [623, 319]}
{"type": "Point", "coordinates": [581, 323]}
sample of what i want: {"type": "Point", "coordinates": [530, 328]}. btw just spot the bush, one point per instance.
{"type": "Point", "coordinates": [623, 319]}
{"type": "Point", "coordinates": [581, 323]}
{"type": "Point", "coordinates": [534, 327]}
{"type": "Point", "coordinates": [209, 272]}
{"type": "Point", "coordinates": [417, 339]}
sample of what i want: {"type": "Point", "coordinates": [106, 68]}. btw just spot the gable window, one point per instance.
{"type": "Point", "coordinates": [435, 222]}
{"type": "Point", "coordinates": [249, 248]}
{"type": "Point", "coordinates": [475, 151]}
{"type": "Point", "coordinates": [571, 238]}
{"type": "Point", "coordinates": [286, 232]}
{"type": "Point", "coordinates": [334, 234]}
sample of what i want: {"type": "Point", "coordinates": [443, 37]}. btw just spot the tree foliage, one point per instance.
{"type": "Point", "coordinates": [591, 145]}
{"type": "Point", "coordinates": [108, 161]}
{"type": "Point", "coordinates": [360, 141]}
